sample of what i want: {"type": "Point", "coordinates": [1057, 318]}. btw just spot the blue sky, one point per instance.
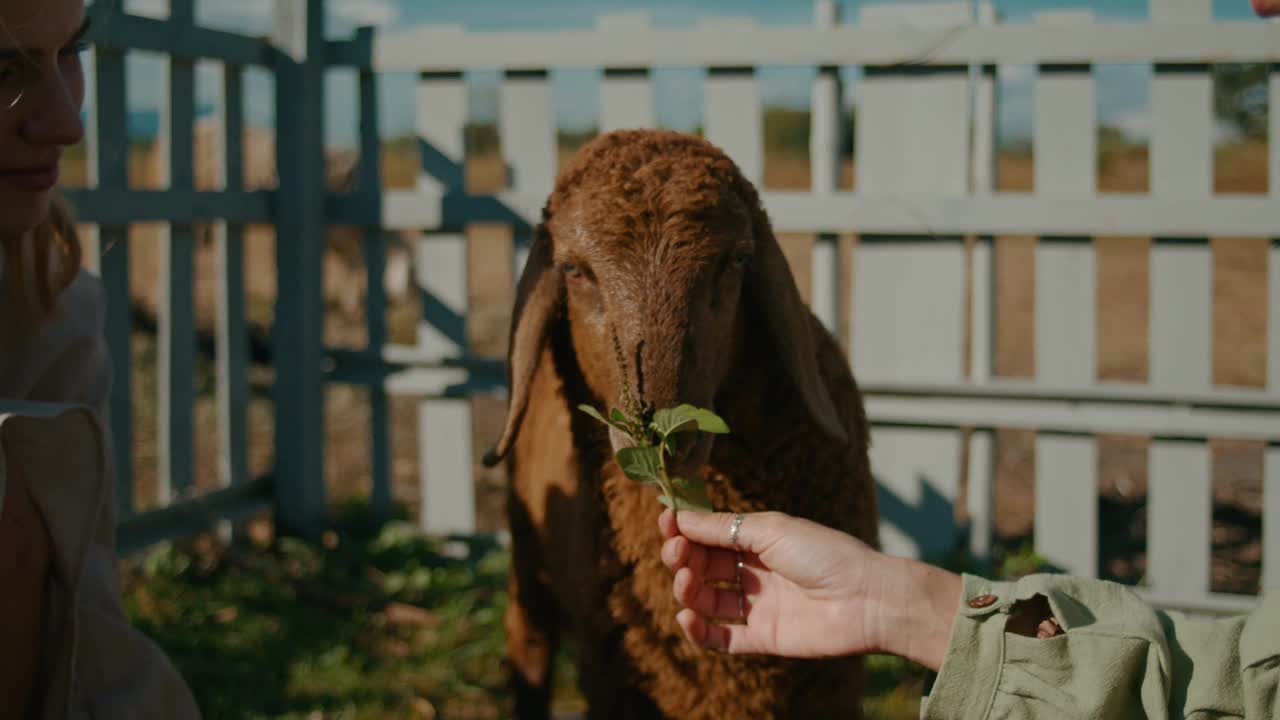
{"type": "Point", "coordinates": [1123, 91]}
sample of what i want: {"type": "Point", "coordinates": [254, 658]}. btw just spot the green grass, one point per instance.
{"type": "Point", "coordinates": [372, 623]}
{"type": "Point", "coordinates": [369, 624]}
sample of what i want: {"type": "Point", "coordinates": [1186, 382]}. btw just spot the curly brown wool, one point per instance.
{"type": "Point", "coordinates": [655, 239]}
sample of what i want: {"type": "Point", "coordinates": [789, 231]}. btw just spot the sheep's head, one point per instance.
{"type": "Point", "coordinates": [656, 252]}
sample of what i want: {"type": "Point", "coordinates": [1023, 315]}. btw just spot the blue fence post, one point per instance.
{"type": "Point", "coordinates": [375, 253]}
{"type": "Point", "coordinates": [298, 340]}
{"type": "Point", "coordinates": [109, 168]}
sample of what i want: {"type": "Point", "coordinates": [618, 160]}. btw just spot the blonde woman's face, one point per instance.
{"type": "Point", "coordinates": [41, 89]}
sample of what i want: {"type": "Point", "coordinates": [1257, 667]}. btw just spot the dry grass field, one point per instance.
{"type": "Point", "coordinates": [1239, 313]}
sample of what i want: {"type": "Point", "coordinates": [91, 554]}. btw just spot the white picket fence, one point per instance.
{"type": "Point", "coordinates": [925, 181]}
{"type": "Point", "coordinates": [926, 152]}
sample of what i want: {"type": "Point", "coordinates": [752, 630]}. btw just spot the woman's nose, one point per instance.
{"type": "Point", "coordinates": [52, 109]}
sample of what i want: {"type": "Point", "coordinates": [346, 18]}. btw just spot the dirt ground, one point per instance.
{"type": "Point", "coordinates": [1239, 357]}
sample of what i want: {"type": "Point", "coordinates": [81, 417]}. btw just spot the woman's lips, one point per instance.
{"type": "Point", "coordinates": [32, 179]}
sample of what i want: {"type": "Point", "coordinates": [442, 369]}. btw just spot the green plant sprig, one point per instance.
{"type": "Point", "coordinates": [658, 439]}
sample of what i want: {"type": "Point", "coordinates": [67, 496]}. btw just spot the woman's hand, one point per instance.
{"type": "Point", "coordinates": [807, 590]}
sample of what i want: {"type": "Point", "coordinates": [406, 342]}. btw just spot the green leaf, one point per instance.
{"type": "Point", "coordinates": [672, 444]}
{"type": "Point", "coordinates": [593, 413]}
{"type": "Point", "coordinates": [640, 463]}
{"type": "Point", "coordinates": [617, 419]}
{"type": "Point", "coordinates": [687, 417]}
{"type": "Point", "coordinates": [689, 495]}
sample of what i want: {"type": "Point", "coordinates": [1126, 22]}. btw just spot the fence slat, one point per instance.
{"type": "Point", "coordinates": [446, 490]}
{"type": "Point", "coordinates": [1179, 514]}
{"type": "Point", "coordinates": [979, 493]}
{"type": "Point", "coordinates": [1273, 306]}
{"type": "Point", "coordinates": [1181, 167]}
{"type": "Point", "coordinates": [232, 327]}
{"type": "Point", "coordinates": [626, 94]}
{"type": "Point", "coordinates": [908, 311]}
{"type": "Point", "coordinates": [1065, 140]}
{"type": "Point", "coordinates": [1181, 313]}
{"type": "Point", "coordinates": [90, 242]}
{"type": "Point", "coordinates": [1065, 313]}
{"type": "Point", "coordinates": [1066, 521]}
{"type": "Point", "coordinates": [826, 156]}
{"type": "Point", "coordinates": [913, 125]}
{"type": "Point", "coordinates": [441, 122]}
{"type": "Point", "coordinates": [733, 118]}
{"type": "Point", "coordinates": [233, 355]}
{"type": "Point", "coordinates": [108, 166]}
{"type": "Point", "coordinates": [119, 330]}
{"type": "Point", "coordinates": [1273, 315]}
{"type": "Point", "coordinates": [1065, 150]}
{"type": "Point", "coordinates": [914, 212]}
{"type": "Point", "coordinates": [917, 482]}
{"type": "Point", "coordinates": [913, 136]}
{"type": "Point", "coordinates": [446, 497]}
{"type": "Point", "coordinates": [441, 265]}
{"type": "Point", "coordinates": [1182, 131]}
{"type": "Point", "coordinates": [983, 183]}
{"type": "Point", "coordinates": [527, 131]}
{"type": "Point", "coordinates": [909, 296]}
{"type": "Point", "coordinates": [826, 282]}
{"type": "Point", "coordinates": [984, 113]}
{"type": "Point", "coordinates": [444, 434]}
{"type": "Point", "coordinates": [176, 341]}
{"type": "Point", "coordinates": [1181, 11]}
{"type": "Point", "coordinates": [298, 336]}
{"type": "Point", "coordinates": [114, 30]}
{"type": "Point", "coordinates": [626, 100]}
{"type": "Point", "coordinates": [825, 151]}
{"type": "Point", "coordinates": [1271, 519]}
{"type": "Point", "coordinates": [1118, 42]}
{"type": "Point", "coordinates": [375, 260]}
{"type": "Point", "coordinates": [982, 278]}
{"type": "Point", "coordinates": [526, 123]}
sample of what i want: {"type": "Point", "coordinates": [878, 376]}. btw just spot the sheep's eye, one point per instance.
{"type": "Point", "coordinates": [739, 261]}
{"type": "Point", "coordinates": [571, 270]}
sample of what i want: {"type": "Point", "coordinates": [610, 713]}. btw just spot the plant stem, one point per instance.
{"type": "Point", "coordinates": [663, 481]}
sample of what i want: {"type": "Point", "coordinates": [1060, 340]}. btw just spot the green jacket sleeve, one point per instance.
{"type": "Point", "coordinates": [1116, 658]}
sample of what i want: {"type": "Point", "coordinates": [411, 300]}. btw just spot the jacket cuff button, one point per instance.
{"type": "Point", "coordinates": [981, 601]}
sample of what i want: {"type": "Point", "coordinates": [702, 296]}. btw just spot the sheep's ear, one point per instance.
{"type": "Point", "coordinates": [538, 297]}
{"type": "Point", "coordinates": [790, 327]}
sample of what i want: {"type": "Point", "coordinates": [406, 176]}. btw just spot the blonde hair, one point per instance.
{"type": "Point", "coordinates": [52, 250]}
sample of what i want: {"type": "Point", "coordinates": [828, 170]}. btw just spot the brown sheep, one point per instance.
{"type": "Point", "coordinates": [657, 238]}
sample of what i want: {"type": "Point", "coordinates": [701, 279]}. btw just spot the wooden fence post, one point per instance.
{"type": "Point", "coordinates": [446, 474]}
{"type": "Point", "coordinates": [733, 116]}
{"type": "Point", "coordinates": [1271, 483]}
{"type": "Point", "coordinates": [108, 166]}
{"type": "Point", "coordinates": [1180, 487]}
{"type": "Point", "coordinates": [1273, 320]}
{"type": "Point", "coordinates": [375, 260]}
{"type": "Point", "coordinates": [1066, 489]}
{"type": "Point", "coordinates": [626, 94]}
{"type": "Point", "coordinates": [298, 339]}
{"type": "Point", "coordinates": [913, 138]}
{"type": "Point", "coordinates": [826, 156]}
{"type": "Point", "coordinates": [232, 333]}
{"type": "Point", "coordinates": [175, 368]}
{"type": "Point", "coordinates": [979, 445]}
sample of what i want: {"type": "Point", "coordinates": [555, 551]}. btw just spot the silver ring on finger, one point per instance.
{"type": "Point", "coordinates": [734, 528]}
